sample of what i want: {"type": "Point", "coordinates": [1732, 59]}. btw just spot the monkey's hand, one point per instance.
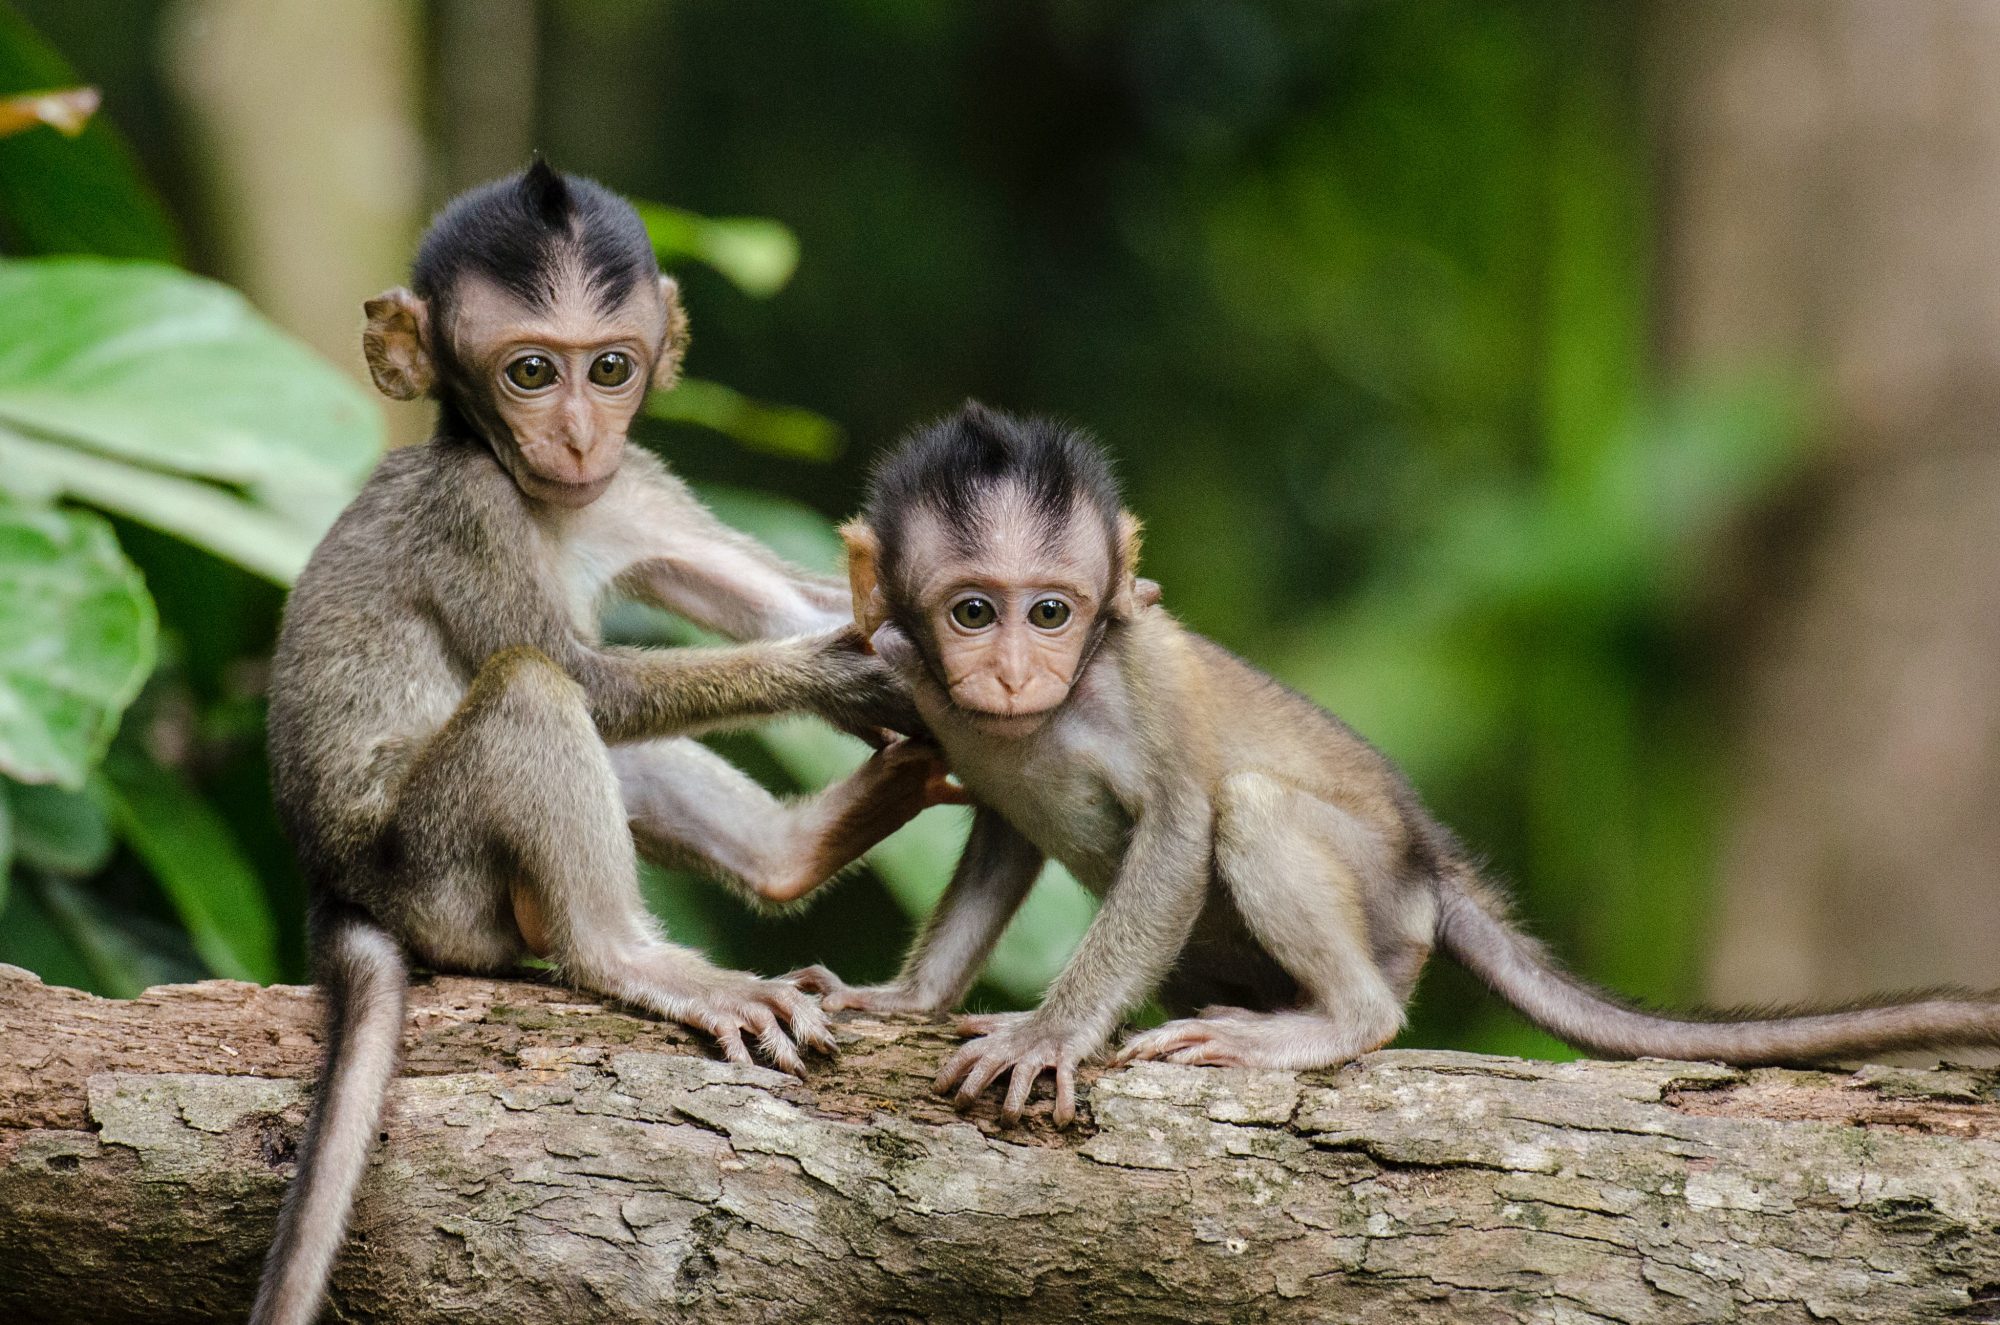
{"type": "Point", "coordinates": [856, 690]}
{"type": "Point", "coordinates": [836, 995]}
{"type": "Point", "coordinates": [729, 1004]}
{"type": "Point", "coordinates": [916, 776]}
{"type": "Point", "coordinates": [1028, 1045]}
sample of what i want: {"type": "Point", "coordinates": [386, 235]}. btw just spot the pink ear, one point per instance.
{"type": "Point", "coordinates": [673, 346]}
{"type": "Point", "coordinates": [864, 554]}
{"type": "Point", "coordinates": [1129, 593]}
{"type": "Point", "coordinates": [396, 343]}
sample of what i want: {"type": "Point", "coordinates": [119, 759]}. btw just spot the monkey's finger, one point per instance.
{"type": "Point", "coordinates": [984, 1073]}
{"type": "Point", "coordinates": [815, 980]}
{"type": "Point", "coordinates": [1018, 1088]}
{"type": "Point", "coordinates": [956, 1066]}
{"type": "Point", "coordinates": [1065, 1112]}
{"type": "Point", "coordinates": [780, 1050]}
{"type": "Point", "coordinates": [806, 1022]}
{"type": "Point", "coordinates": [981, 1023]}
{"type": "Point", "coordinates": [731, 1040]}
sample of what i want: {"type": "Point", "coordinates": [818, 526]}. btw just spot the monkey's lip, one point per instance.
{"type": "Point", "coordinates": [565, 493]}
{"type": "Point", "coordinates": [1002, 723]}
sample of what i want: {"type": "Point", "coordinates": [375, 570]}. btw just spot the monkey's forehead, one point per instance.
{"type": "Point", "coordinates": [1007, 538]}
{"type": "Point", "coordinates": [486, 313]}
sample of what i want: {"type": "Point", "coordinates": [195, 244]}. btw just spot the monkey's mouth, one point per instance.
{"type": "Point", "coordinates": [1003, 722]}
{"type": "Point", "coordinates": [562, 492]}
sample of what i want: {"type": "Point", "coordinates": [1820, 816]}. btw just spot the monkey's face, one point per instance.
{"type": "Point", "coordinates": [563, 382]}
{"type": "Point", "coordinates": [554, 388]}
{"type": "Point", "coordinates": [1009, 606]}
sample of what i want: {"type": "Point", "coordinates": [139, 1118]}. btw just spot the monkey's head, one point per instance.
{"type": "Point", "coordinates": [537, 317]}
{"type": "Point", "coordinates": [996, 553]}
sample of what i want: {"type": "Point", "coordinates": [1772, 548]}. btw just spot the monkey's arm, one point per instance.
{"type": "Point", "coordinates": [993, 877]}
{"type": "Point", "coordinates": [697, 567]}
{"type": "Point", "coordinates": [637, 693]}
{"type": "Point", "coordinates": [1143, 925]}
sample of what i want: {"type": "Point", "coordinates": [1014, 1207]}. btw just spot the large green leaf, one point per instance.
{"type": "Point", "coordinates": [58, 831]}
{"type": "Point", "coordinates": [153, 366]}
{"type": "Point", "coordinates": [757, 255]}
{"type": "Point", "coordinates": [198, 863]}
{"type": "Point", "coordinates": [79, 641]}
{"type": "Point", "coordinates": [64, 195]}
{"type": "Point", "coordinates": [775, 429]}
{"type": "Point", "coordinates": [254, 536]}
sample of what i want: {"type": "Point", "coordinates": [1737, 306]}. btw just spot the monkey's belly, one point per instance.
{"type": "Point", "coordinates": [1223, 965]}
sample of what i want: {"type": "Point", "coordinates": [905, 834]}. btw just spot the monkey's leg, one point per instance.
{"type": "Point", "coordinates": [519, 776]}
{"type": "Point", "coordinates": [1294, 865]}
{"type": "Point", "coordinates": [689, 806]}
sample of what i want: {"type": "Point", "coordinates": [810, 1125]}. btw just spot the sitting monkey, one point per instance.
{"type": "Point", "coordinates": [1257, 859]}
{"type": "Point", "coordinates": [460, 761]}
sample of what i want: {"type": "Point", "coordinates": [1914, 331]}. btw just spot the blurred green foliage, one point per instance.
{"type": "Point", "coordinates": [1360, 292]}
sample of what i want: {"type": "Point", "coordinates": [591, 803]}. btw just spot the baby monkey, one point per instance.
{"type": "Point", "coordinates": [1257, 859]}
{"type": "Point", "coordinates": [461, 761]}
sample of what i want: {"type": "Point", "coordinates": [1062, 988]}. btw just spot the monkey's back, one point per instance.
{"type": "Point", "coordinates": [361, 673]}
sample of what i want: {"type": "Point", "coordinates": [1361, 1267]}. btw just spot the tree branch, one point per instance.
{"type": "Point", "coordinates": [549, 1160]}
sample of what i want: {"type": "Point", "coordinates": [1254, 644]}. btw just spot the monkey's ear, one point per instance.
{"type": "Point", "coordinates": [864, 555]}
{"type": "Point", "coordinates": [397, 344]}
{"type": "Point", "coordinates": [673, 347]}
{"type": "Point", "coordinates": [1129, 593]}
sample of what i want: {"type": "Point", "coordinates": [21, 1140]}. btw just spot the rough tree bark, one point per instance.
{"type": "Point", "coordinates": [547, 1159]}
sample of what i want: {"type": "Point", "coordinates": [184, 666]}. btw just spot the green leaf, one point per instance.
{"type": "Point", "coordinates": [254, 537]}
{"type": "Point", "coordinates": [758, 256]}
{"type": "Point", "coordinates": [774, 429]}
{"type": "Point", "coordinates": [31, 939]}
{"type": "Point", "coordinates": [197, 861]}
{"type": "Point", "coordinates": [79, 642]}
{"type": "Point", "coordinates": [153, 366]}
{"type": "Point", "coordinates": [126, 952]}
{"type": "Point", "coordinates": [71, 195]}
{"type": "Point", "coordinates": [58, 831]}
{"type": "Point", "coordinates": [792, 529]}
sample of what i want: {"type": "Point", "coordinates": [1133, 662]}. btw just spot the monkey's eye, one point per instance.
{"type": "Point", "coordinates": [1049, 614]}
{"type": "Point", "coordinates": [532, 372]}
{"type": "Point", "coordinates": [974, 613]}
{"type": "Point", "coordinates": [612, 369]}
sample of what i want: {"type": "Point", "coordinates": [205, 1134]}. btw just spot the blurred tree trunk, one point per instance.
{"type": "Point", "coordinates": [305, 115]}
{"type": "Point", "coordinates": [1832, 199]}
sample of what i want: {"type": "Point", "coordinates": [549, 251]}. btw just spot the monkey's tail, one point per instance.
{"type": "Point", "coordinates": [366, 979]}
{"type": "Point", "coordinates": [1473, 926]}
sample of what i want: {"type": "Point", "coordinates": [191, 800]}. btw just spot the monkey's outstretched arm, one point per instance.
{"type": "Point", "coordinates": [1143, 925]}
{"type": "Point", "coordinates": [723, 580]}
{"type": "Point", "coordinates": [994, 875]}
{"type": "Point", "coordinates": [690, 807]}
{"type": "Point", "coordinates": [633, 693]}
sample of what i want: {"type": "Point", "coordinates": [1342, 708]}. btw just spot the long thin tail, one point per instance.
{"type": "Point", "coordinates": [1473, 927]}
{"type": "Point", "coordinates": [366, 981]}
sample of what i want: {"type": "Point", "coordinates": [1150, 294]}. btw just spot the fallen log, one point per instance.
{"type": "Point", "coordinates": [547, 1159]}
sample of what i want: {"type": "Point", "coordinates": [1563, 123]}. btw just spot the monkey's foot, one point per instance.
{"type": "Point", "coordinates": [776, 1012]}
{"type": "Point", "coordinates": [1236, 1037]}
{"type": "Point", "coordinates": [1021, 1043]}
{"type": "Point", "coordinates": [836, 995]}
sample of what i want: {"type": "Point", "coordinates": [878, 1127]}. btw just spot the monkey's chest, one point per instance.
{"type": "Point", "coordinates": [1062, 804]}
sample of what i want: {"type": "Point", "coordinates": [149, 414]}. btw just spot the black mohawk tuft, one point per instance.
{"type": "Point", "coordinates": [521, 230]}
{"type": "Point", "coordinates": [545, 192]}
{"type": "Point", "coordinates": [952, 465]}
